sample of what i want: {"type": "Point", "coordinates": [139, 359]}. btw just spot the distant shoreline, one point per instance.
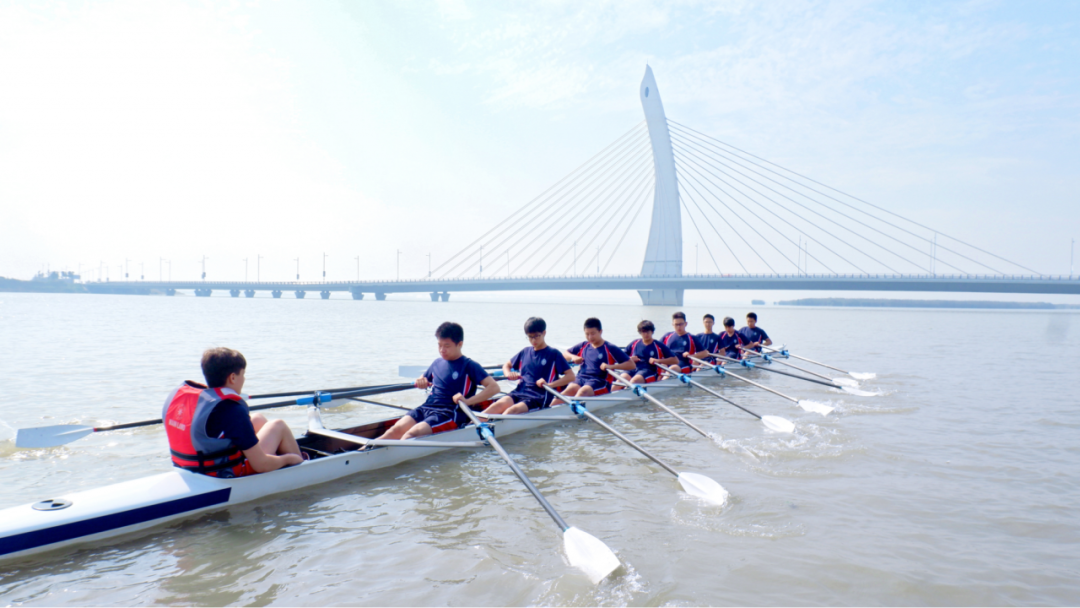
{"type": "Point", "coordinates": [886, 303]}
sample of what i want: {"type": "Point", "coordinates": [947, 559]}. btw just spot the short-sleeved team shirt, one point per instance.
{"type": "Point", "coordinates": [708, 342]}
{"type": "Point", "coordinates": [644, 352]}
{"type": "Point", "coordinates": [448, 378]}
{"type": "Point", "coordinates": [232, 420]}
{"type": "Point", "coordinates": [678, 345]}
{"type": "Point", "coordinates": [754, 334]}
{"type": "Point", "coordinates": [727, 345]}
{"type": "Point", "coordinates": [594, 357]}
{"type": "Point", "coordinates": [547, 363]}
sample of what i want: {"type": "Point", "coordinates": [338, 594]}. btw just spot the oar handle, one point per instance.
{"type": "Point", "coordinates": [749, 381]}
{"type": "Point", "coordinates": [582, 410]}
{"type": "Point", "coordinates": [708, 390]}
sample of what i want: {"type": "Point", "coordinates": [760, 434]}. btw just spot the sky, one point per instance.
{"type": "Point", "coordinates": [154, 134]}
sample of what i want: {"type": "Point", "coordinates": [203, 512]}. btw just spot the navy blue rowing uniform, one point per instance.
{"type": "Point", "coordinates": [681, 344]}
{"type": "Point", "coordinates": [708, 342]}
{"type": "Point", "coordinates": [547, 363]}
{"type": "Point", "coordinates": [590, 373]}
{"type": "Point", "coordinates": [644, 352]}
{"type": "Point", "coordinates": [754, 334]}
{"type": "Point", "coordinates": [727, 345]}
{"type": "Point", "coordinates": [448, 378]}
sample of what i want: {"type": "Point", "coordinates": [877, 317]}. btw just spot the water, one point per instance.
{"type": "Point", "coordinates": [957, 485]}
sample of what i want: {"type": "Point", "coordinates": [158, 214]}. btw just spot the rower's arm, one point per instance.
{"type": "Point", "coordinates": [767, 342]}
{"type": "Point", "coordinates": [698, 355]}
{"type": "Point", "coordinates": [624, 366]}
{"type": "Point", "coordinates": [567, 377]}
{"type": "Point", "coordinates": [507, 371]}
{"type": "Point", "coordinates": [572, 358]}
{"type": "Point", "coordinates": [491, 388]}
{"type": "Point", "coordinates": [670, 361]}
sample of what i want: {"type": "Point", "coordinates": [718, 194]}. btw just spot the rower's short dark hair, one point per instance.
{"type": "Point", "coordinates": [708, 316]}
{"type": "Point", "coordinates": [678, 315]}
{"type": "Point", "coordinates": [646, 326]}
{"type": "Point", "coordinates": [751, 315]}
{"type": "Point", "coordinates": [220, 363]}
{"type": "Point", "coordinates": [729, 322]}
{"type": "Point", "coordinates": [451, 331]}
{"type": "Point", "coordinates": [535, 325]}
{"type": "Point", "coordinates": [593, 323]}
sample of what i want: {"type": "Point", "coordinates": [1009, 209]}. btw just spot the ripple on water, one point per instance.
{"type": "Point", "coordinates": [740, 519]}
{"type": "Point", "coordinates": [773, 453]}
{"type": "Point", "coordinates": [624, 587]}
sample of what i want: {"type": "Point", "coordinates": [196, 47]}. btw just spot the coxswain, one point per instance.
{"type": "Point", "coordinates": [536, 366]}
{"type": "Point", "coordinates": [453, 378]}
{"type": "Point", "coordinates": [211, 431]}
{"type": "Point", "coordinates": [596, 356]}
{"type": "Point", "coordinates": [730, 341]}
{"type": "Point", "coordinates": [646, 353]}
{"type": "Point", "coordinates": [755, 336]}
{"type": "Point", "coordinates": [681, 343]}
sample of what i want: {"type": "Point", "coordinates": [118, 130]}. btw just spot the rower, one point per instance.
{"type": "Point", "coordinates": [646, 353]}
{"type": "Point", "coordinates": [730, 341]}
{"type": "Point", "coordinates": [755, 336]}
{"type": "Point", "coordinates": [453, 378]}
{"type": "Point", "coordinates": [536, 365]}
{"type": "Point", "coordinates": [596, 356]}
{"type": "Point", "coordinates": [211, 431]}
{"type": "Point", "coordinates": [707, 340]}
{"type": "Point", "coordinates": [681, 343]}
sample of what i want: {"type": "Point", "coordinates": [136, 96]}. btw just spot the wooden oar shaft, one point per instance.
{"type": "Point", "coordinates": [776, 350]}
{"type": "Point", "coordinates": [494, 443]}
{"type": "Point", "coordinates": [782, 373]}
{"type": "Point", "coordinates": [749, 381]}
{"type": "Point", "coordinates": [713, 393]}
{"type": "Point", "coordinates": [630, 442]}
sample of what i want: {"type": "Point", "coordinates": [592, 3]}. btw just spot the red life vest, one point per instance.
{"type": "Point", "coordinates": [184, 415]}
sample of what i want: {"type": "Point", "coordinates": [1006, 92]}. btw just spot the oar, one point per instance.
{"type": "Point", "coordinates": [769, 358]}
{"type": "Point", "coordinates": [53, 436]}
{"type": "Point", "coordinates": [585, 551]}
{"type": "Point", "coordinates": [641, 391]}
{"type": "Point", "coordinates": [810, 406]}
{"type": "Point", "coordinates": [846, 389]}
{"type": "Point", "coordinates": [322, 390]}
{"type": "Point", "coordinates": [695, 484]}
{"type": "Point", "coordinates": [856, 375]}
{"type": "Point", "coordinates": [773, 423]}
{"type": "Point", "coordinates": [415, 371]}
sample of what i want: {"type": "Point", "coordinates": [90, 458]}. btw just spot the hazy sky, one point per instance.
{"type": "Point", "coordinates": [141, 129]}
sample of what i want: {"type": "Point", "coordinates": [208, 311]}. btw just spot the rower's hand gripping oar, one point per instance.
{"type": "Point", "coordinates": [57, 435]}
{"type": "Point", "coordinates": [773, 423]}
{"type": "Point", "coordinates": [641, 391]}
{"type": "Point", "coordinates": [694, 484]}
{"type": "Point", "coordinates": [856, 375]}
{"type": "Point", "coordinates": [585, 552]}
{"type": "Point", "coordinates": [810, 406]}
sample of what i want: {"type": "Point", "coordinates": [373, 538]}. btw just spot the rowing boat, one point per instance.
{"type": "Point", "coordinates": [120, 509]}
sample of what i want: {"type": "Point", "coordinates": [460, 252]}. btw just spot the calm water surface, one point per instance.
{"type": "Point", "coordinates": [957, 485]}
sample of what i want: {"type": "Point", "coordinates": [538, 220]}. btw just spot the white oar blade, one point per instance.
{"type": "Point", "coordinates": [778, 424]}
{"type": "Point", "coordinates": [863, 375]}
{"type": "Point", "coordinates": [589, 554]}
{"type": "Point", "coordinates": [411, 371]}
{"type": "Point", "coordinates": [845, 382]}
{"type": "Point", "coordinates": [858, 392]}
{"type": "Point", "coordinates": [814, 406]}
{"type": "Point", "coordinates": [50, 436]}
{"type": "Point", "coordinates": [704, 488]}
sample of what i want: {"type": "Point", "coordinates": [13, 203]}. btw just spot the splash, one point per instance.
{"type": "Point", "coordinates": [814, 406]}
{"type": "Point", "coordinates": [859, 392]}
{"type": "Point", "coordinates": [845, 382]}
{"type": "Point", "coordinates": [863, 375]}
{"type": "Point", "coordinates": [7, 440]}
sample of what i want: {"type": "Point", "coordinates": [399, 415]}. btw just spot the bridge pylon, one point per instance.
{"type": "Point", "coordinates": [663, 255]}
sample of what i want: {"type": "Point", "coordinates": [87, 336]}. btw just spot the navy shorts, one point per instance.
{"type": "Point", "coordinates": [599, 386]}
{"type": "Point", "coordinates": [532, 399]}
{"type": "Point", "coordinates": [648, 374]}
{"type": "Point", "coordinates": [440, 417]}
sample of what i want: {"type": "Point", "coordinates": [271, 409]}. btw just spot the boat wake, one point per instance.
{"type": "Point", "coordinates": [771, 453]}
{"type": "Point", "coordinates": [7, 440]}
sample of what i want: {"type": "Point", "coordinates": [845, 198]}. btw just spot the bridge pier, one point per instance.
{"type": "Point", "coordinates": [357, 295]}
{"type": "Point", "coordinates": [234, 293]}
{"type": "Point", "coordinates": [661, 297]}
{"type": "Point", "coordinates": [445, 296]}
{"type": "Point", "coordinates": [380, 296]}
{"type": "Point", "coordinates": [276, 293]}
{"type": "Point", "coordinates": [325, 295]}
{"type": "Point", "coordinates": [300, 293]}
{"type": "Point", "coordinates": [434, 296]}
{"type": "Point", "coordinates": [203, 293]}
{"type": "Point", "coordinates": [249, 293]}
{"type": "Point", "coordinates": [170, 292]}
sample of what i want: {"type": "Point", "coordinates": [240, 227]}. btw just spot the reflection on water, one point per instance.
{"type": "Point", "coordinates": [956, 484]}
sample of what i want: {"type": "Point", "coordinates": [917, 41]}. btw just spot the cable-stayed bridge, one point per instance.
{"type": "Point", "coordinates": [756, 226]}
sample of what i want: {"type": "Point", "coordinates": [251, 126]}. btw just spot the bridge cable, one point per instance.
{"type": "Point", "coordinates": [644, 198]}
{"type": "Point", "coordinates": [703, 241]}
{"type": "Point", "coordinates": [918, 236]}
{"type": "Point", "coordinates": [722, 218]}
{"type": "Point", "coordinates": [618, 141]}
{"type": "Point", "coordinates": [862, 236]}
